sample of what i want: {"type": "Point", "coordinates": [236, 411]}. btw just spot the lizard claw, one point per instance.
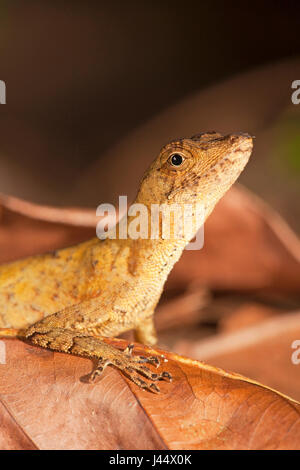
{"type": "Point", "coordinates": [133, 367]}
{"type": "Point", "coordinates": [149, 360]}
{"type": "Point", "coordinates": [129, 349]}
{"type": "Point", "coordinates": [167, 376]}
{"type": "Point", "coordinates": [154, 360]}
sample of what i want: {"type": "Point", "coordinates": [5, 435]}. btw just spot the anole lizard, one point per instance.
{"type": "Point", "coordinates": [70, 300]}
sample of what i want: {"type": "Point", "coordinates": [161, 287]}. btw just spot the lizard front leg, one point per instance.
{"type": "Point", "coordinates": [81, 344]}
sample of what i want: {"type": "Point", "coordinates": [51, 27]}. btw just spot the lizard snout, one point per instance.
{"type": "Point", "coordinates": [241, 141]}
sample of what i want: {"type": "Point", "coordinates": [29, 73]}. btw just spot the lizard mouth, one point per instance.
{"type": "Point", "coordinates": [232, 163]}
{"type": "Point", "coordinates": [242, 144]}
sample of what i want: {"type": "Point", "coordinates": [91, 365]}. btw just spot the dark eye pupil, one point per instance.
{"type": "Point", "coordinates": [176, 159]}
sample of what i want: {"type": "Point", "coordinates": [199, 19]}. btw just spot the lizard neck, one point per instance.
{"type": "Point", "coordinates": [154, 237]}
{"type": "Point", "coordinates": [154, 257]}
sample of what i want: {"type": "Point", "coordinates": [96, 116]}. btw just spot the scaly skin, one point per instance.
{"type": "Point", "coordinates": [67, 300]}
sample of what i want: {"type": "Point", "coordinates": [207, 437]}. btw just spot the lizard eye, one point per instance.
{"type": "Point", "coordinates": [176, 159]}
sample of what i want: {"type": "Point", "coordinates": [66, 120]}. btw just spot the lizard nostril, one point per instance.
{"type": "Point", "coordinates": [241, 138]}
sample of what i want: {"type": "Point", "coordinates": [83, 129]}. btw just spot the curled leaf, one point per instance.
{"type": "Point", "coordinates": [263, 352]}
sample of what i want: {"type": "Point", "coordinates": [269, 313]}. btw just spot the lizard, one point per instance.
{"type": "Point", "coordinates": [72, 299]}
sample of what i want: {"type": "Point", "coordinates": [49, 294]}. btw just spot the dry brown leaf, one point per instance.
{"type": "Point", "coordinates": [262, 352]}
{"type": "Point", "coordinates": [182, 309]}
{"type": "Point", "coordinates": [79, 217]}
{"type": "Point", "coordinates": [247, 246]}
{"type": "Point", "coordinates": [44, 405]}
{"type": "Point", "coordinates": [24, 235]}
{"type": "Point", "coordinates": [247, 314]}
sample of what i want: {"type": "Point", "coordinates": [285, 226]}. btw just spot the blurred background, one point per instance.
{"type": "Point", "coordinates": [81, 75]}
{"type": "Point", "coordinates": [95, 88]}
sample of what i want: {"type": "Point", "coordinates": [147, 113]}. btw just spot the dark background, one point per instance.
{"type": "Point", "coordinates": [80, 75]}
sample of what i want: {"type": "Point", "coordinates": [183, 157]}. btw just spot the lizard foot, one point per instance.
{"type": "Point", "coordinates": [81, 344]}
{"type": "Point", "coordinates": [132, 366]}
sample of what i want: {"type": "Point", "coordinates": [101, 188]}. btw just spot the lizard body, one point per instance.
{"type": "Point", "coordinates": [69, 300]}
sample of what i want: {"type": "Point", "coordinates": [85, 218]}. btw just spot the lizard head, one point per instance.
{"type": "Point", "coordinates": [199, 169]}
